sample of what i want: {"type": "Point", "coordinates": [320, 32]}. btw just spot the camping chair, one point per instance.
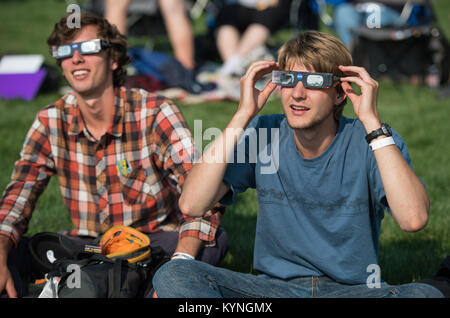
{"type": "Point", "coordinates": [401, 52]}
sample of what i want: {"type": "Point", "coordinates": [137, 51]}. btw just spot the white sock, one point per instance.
{"type": "Point", "coordinates": [230, 65]}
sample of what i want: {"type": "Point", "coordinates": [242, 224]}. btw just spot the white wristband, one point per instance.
{"type": "Point", "coordinates": [180, 255]}
{"type": "Point", "coordinates": [380, 143]}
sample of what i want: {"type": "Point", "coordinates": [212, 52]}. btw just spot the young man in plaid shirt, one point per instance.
{"type": "Point", "coordinates": [120, 155]}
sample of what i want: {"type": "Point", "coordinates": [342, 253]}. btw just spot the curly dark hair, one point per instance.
{"type": "Point", "coordinates": [62, 33]}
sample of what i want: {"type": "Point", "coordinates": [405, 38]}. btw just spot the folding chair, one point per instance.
{"type": "Point", "coordinates": [398, 52]}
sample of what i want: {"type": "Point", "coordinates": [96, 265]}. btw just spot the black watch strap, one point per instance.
{"type": "Point", "coordinates": [385, 130]}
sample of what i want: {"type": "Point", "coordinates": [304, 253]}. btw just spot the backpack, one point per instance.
{"type": "Point", "coordinates": [167, 70]}
{"type": "Point", "coordinates": [121, 266]}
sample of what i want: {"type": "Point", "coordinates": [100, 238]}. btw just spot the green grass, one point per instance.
{"type": "Point", "coordinates": [413, 111]}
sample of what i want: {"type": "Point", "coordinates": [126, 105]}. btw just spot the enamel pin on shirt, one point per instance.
{"type": "Point", "coordinates": [123, 167]}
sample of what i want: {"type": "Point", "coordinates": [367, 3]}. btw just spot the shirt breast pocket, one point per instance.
{"type": "Point", "coordinates": [135, 187]}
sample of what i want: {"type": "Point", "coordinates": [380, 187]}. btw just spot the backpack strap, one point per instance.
{"type": "Point", "coordinates": [115, 282]}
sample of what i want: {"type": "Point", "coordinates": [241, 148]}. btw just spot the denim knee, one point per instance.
{"type": "Point", "coordinates": [419, 290]}
{"type": "Point", "coordinates": [179, 278]}
{"type": "Point", "coordinates": [165, 277]}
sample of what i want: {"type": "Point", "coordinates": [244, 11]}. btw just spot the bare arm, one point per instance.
{"type": "Point", "coordinates": [204, 185]}
{"type": "Point", "coordinates": [179, 29]}
{"type": "Point", "coordinates": [116, 14]}
{"type": "Point", "coordinates": [406, 195]}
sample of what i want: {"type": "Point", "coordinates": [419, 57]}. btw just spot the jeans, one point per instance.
{"type": "Point", "coordinates": [193, 279]}
{"type": "Point", "coordinates": [347, 20]}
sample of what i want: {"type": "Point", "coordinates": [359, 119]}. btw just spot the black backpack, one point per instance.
{"type": "Point", "coordinates": [83, 271]}
{"type": "Point", "coordinates": [102, 277]}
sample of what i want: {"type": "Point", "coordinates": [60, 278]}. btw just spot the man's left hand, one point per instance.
{"type": "Point", "coordinates": [364, 105]}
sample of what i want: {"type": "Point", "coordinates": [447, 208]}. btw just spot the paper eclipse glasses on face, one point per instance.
{"type": "Point", "coordinates": [85, 47]}
{"type": "Point", "coordinates": [309, 79]}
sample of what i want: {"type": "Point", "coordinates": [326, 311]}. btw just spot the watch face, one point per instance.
{"type": "Point", "coordinates": [386, 130]}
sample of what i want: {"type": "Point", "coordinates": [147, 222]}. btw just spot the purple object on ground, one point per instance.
{"type": "Point", "coordinates": [24, 86]}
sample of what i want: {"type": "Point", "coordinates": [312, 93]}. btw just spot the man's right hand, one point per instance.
{"type": "Point", "coordinates": [204, 185]}
{"type": "Point", "coordinates": [6, 280]}
{"type": "Point", "coordinates": [253, 100]}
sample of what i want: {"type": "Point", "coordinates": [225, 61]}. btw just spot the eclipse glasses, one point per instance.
{"type": "Point", "coordinates": [309, 80]}
{"type": "Point", "coordinates": [85, 47]}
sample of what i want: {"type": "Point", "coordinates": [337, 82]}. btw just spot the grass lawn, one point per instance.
{"type": "Point", "coordinates": [421, 119]}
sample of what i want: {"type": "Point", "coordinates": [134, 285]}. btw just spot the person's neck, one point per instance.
{"type": "Point", "coordinates": [97, 111]}
{"type": "Point", "coordinates": [312, 142]}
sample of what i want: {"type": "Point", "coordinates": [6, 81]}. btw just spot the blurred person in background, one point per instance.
{"type": "Point", "coordinates": [177, 22]}
{"type": "Point", "coordinates": [243, 26]}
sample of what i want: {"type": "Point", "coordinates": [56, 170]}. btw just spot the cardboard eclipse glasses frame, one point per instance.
{"type": "Point", "coordinates": [85, 47]}
{"type": "Point", "coordinates": [309, 79]}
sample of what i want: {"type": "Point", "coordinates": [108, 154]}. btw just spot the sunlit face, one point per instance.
{"type": "Point", "coordinates": [88, 75]}
{"type": "Point", "coordinates": [308, 108]}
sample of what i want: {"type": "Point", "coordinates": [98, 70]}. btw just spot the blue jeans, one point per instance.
{"type": "Point", "coordinates": [347, 20]}
{"type": "Point", "coordinates": [195, 279]}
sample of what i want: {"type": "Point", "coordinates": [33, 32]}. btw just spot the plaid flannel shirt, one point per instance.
{"type": "Point", "coordinates": [131, 176]}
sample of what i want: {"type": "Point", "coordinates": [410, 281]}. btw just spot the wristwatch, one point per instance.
{"type": "Point", "coordinates": [385, 130]}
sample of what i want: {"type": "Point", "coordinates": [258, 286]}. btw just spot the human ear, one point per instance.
{"type": "Point", "coordinates": [114, 65]}
{"type": "Point", "coordinates": [340, 96]}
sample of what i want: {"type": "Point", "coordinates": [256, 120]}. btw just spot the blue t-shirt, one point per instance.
{"type": "Point", "coordinates": [317, 216]}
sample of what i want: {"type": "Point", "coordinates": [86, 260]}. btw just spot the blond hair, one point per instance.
{"type": "Point", "coordinates": [317, 51]}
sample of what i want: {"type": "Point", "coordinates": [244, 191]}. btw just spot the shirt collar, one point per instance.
{"type": "Point", "coordinates": [76, 125]}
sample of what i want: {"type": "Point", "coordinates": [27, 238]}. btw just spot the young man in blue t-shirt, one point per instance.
{"type": "Point", "coordinates": [323, 183]}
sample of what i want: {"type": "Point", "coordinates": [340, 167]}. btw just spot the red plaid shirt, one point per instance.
{"type": "Point", "coordinates": [131, 176]}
